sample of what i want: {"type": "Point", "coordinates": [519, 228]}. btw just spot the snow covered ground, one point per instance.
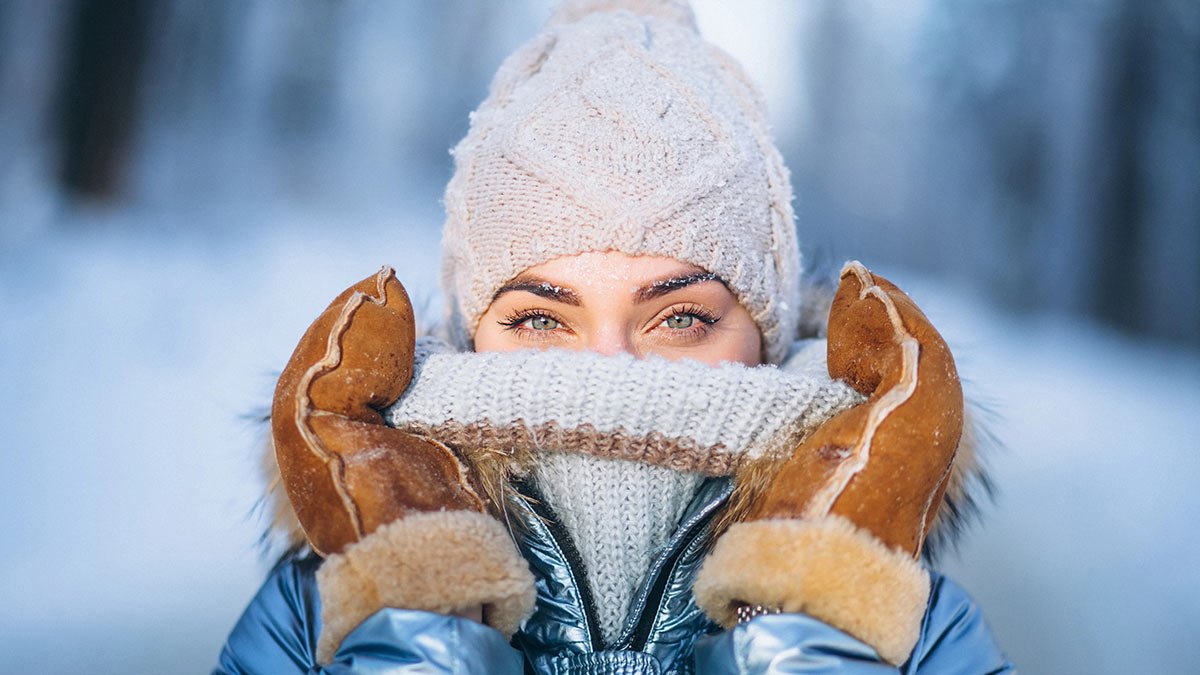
{"type": "Point", "coordinates": [129, 359]}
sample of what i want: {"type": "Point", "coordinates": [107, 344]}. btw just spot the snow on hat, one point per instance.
{"type": "Point", "coordinates": [619, 128]}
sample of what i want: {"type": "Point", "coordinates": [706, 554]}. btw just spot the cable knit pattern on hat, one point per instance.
{"type": "Point", "coordinates": [619, 128]}
{"type": "Point", "coordinates": [684, 415]}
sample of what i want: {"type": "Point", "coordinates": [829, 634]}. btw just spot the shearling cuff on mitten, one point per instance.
{"type": "Point", "coordinates": [826, 568]}
{"type": "Point", "coordinates": [441, 561]}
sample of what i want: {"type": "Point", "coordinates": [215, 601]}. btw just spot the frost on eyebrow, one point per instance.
{"type": "Point", "coordinates": [661, 287]}
{"type": "Point", "coordinates": [540, 288]}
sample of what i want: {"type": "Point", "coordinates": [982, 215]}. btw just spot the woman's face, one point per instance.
{"type": "Point", "coordinates": [610, 302]}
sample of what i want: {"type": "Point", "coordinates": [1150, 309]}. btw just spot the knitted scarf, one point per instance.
{"type": "Point", "coordinates": [618, 445]}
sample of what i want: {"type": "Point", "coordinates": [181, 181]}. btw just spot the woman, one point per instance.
{"type": "Point", "coordinates": [627, 462]}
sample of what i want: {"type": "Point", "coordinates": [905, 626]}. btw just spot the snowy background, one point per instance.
{"type": "Point", "coordinates": [185, 185]}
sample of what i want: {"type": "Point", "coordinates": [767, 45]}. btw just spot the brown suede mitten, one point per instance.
{"type": "Point", "coordinates": [399, 517]}
{"type": "Point", "coordinates": [837, 531]}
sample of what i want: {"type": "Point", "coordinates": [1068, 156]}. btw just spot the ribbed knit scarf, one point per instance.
{"type": "Point", "coordinates": [620, 444]}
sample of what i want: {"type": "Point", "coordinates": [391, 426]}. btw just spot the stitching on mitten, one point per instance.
{"type": "Point", "coordinates": [879, 411]}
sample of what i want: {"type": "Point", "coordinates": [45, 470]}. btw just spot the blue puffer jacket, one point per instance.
{"type": "Point", "coordinates": [666, 632]}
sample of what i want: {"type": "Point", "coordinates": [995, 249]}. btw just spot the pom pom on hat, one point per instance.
{"type": "Point", "coordinates": [678, 11]}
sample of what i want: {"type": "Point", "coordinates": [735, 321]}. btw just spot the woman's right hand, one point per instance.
{"type": "Point", "coordinates": [346, 472]}
{"type": "Point", "coordinates": [398, 516]}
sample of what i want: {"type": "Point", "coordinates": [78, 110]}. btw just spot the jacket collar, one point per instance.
{"type": "Point", "coordinates": [663, 619]}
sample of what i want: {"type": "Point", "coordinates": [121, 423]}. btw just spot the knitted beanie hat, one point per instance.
{"type": "Point", "coordinates": [618, 128]}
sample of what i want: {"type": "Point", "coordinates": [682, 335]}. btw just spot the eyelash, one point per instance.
{"type": "Point", "coordinates": [706, 318]}
{"type": "Point", "coordinates": [513, 322]}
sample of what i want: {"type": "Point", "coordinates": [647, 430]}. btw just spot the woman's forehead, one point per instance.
{"type": "Point", "coordinates": [607, 267]}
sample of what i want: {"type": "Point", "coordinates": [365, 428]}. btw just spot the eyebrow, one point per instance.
{"type": "Point", "coordinates": [661, 287]}
{"type": "Point", "coordinates": [651, 291]}
{"type": "Point", "coordinates": [542, 289]}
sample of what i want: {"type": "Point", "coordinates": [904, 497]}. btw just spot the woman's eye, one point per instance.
{"type": "Point", "coordinates": [679, 321]}
{"type": "Point", "coordinates": [542, 322]}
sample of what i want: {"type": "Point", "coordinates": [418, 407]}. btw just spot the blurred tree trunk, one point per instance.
{"type": "Point", "coordinates": [1147, 279]}
{"type": "Point", "coordinates": [98, 98]}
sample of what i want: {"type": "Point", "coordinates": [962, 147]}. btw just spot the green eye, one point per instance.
{"type": "Point", "coordinates": [542, 322]}
{"type": "Point", "coordinates": [680, 321]}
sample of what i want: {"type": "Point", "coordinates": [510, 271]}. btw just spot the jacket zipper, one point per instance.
{"type": "Point", "coordinates": [571, 558]}
{"type": "Point", "coordinates": [653, 605]}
